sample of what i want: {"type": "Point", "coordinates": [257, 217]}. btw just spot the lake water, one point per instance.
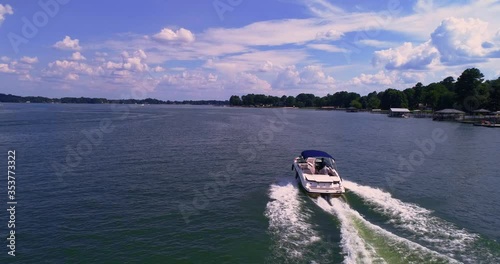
{"type": "Point", "coordinates": [186, 184]}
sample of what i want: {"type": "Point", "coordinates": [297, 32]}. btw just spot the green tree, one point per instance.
{"type": "Point", "coordinates": [290, 101]}
{"type": "Point", "coordinates": [374, 102]}
{"type": "Point", "coordinates": [248, 99]}
{"type": "Point", "coordinates": [466, 88]}
{"type": "Point", "coordinates": [410, 95]}
{"type": "Point", "coordinates": [494, 100]}
{"type": "Point", "coordinates": [235, 100]}
{"type": "Point", "coordinates": [432, 94]}
{"type": "Point", "coordinates": [393, 98]}
{"type": "Point", "coordinates": [306, 100]}
{"type": "Point", "coordinates": [356, 103]}
{"type": "Point", "coordinates": [449, 83]}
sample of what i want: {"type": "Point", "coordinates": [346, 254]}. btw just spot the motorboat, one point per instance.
{"type": "Point", "coordinates": [317, 173]}
{"type": "Point", "coordinates": [486, 123]}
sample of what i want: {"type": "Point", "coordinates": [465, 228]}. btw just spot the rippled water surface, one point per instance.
{"type": "Point", "coordinates": [185, 184]}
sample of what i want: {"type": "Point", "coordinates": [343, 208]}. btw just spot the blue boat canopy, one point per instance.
{"type": "Point", "coordinates": [315, 154]}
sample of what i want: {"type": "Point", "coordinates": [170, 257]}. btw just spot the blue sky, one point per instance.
{"type": "Point", "coordinates": [211, 49]}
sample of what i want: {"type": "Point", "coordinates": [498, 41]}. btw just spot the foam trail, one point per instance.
{"type": "Point", "coordinates": [287, 222]}
{"type": "Point", "coordinates": [365, 242]}
{"type": "Point", "coordinates": [437, 232]}
{"type": "Point", "coordinates": [354, 247]}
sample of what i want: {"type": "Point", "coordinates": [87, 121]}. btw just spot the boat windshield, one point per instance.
{"type": "Point", "coordinates": [322, 162]}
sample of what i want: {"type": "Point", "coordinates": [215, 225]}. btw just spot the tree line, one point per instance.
{"type": "Point", "coordinates": [9, 98]}
{"type": "Point", "coordinates": [469, 92]}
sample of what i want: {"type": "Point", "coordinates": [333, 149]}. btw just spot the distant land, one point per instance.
{"type": "Point", "coordinates": [9, 98]}
{"type": "Point", "coordinates": [468, 93]}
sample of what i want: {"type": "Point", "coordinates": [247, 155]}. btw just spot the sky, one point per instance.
{"type": "Point", "coordinates": [212, 49]}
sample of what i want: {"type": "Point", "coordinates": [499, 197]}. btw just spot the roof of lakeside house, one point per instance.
{"type": "Point", "coordinates": [481, 111]}
{"type": "Point", "coordinates": [400, 110]}
{"type": "Point", "coordinates": [450, 111]}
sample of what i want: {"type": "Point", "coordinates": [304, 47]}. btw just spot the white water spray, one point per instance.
{"type": "Point", "coordinates": [419, 221]}
{"type": "Point", "coordinates": [287, 221]}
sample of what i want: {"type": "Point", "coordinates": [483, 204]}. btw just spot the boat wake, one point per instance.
{"type": "Point", "coordinates": [289, 222]}
{"type": "Point", "coordinates": [364, 242]}
{"type": "Point", "coordinates": [411, 234]}
{"type": "Point", "coordinates": [422, 226]}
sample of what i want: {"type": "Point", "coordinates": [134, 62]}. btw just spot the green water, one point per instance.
{"type": "Point", "coordinates": [170, 184]}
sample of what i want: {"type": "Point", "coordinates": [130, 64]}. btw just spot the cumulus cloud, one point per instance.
{"type": "Point", "coordinates": [181, 35]}
{"type": "Point", "coordinates": [72, 77]}
{"type": "Point", "coordinates": [134, 62]}
{"type": "Point", "coordinates": [379, 78]}
{"type": "Point", "coordinates": [462, 40]}
{"type": "Point", "coordinates": [127, 72]}
{"type": "Point", "coordinates": [311, 76]}
{"type": "Point", "coordinates": [385, 79]}
{"type": "Point", "coordinates": [63, 67]}
{"type": "Point", "coordinates": [5, 68]}
{"type": "Point", "coordinates": [158, 69]}
{"type": "Point", "coordinates": [77, 56]}
{"type": "Point", "coordinates": [5, 10]}
{"type": "Point", "coordinates": [267, 66]}
{"type": "Point", "coordinates": [407, 56]}
{"type": "Point", "coordinates": [29, 60]}
{"type": "Point", "coordinates": [68, 44]}
{"type": "Point", "coordinates": [245, 82]}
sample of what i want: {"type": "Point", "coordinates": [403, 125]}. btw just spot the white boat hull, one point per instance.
{"type": "Point", "coordinates": [322, 183]}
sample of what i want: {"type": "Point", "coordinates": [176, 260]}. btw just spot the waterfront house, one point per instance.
{"type": "Point", "coordinates": [481, 112]}
{"type": "Point", "coordinates": [399, 112]}
{"type": "Point", "coordinates": [448, 114]}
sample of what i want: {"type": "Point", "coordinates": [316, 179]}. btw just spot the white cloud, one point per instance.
{"type": "Point", "coordinates": [77, 56]}
{"type": "Point", "coordinates": [287, 78]}
{"type": "Point", "coordinates": [462, 40]}
{"type": "Point", "coordinates": [68, 44]}
{"type": "Point", "coordinates": [59, 68]}
{"type": "Point", "coordinates": [72, 77]}
{"type": "Point", "coordinates": [322, 8]}
{"type": "Point", "coordinates": [253, 61]}
{"type": "Point", "coordinates": [29, 60]}
{"type": "Point", "coordinates": [5, 10]}
{"type": "Point", "coordinates": [5, 59]}
{"type": "Point", "coordinates": [181, 35]}
{"type": "Point", "coordinates": [382, 80]}
{"type": "Point", "coordinates": [424, 6]}
{"type": "Point", "coordinates": [158, 69]}
{"type": "Point", "coordinates": [136, 62]}
{"type": "Point", "coordinates": [429, 14]}
{"type": "Point", "coordinates": [101, 54]}
{"type": "Point", "coordinates": [281, 32]}
{"type": "Point", "coordinates": [247, 83]}
{"type": "Point", "coordinates": [377, 43]}
{"type": "Point", "coordinates": [379, 78]}
{"type": "Point", "coordinates": [407, 56]}
{"type": "Point", "coordinates": [5, 68]}
{"type": "Point", "coordinates": [191, 82]}
{"type": "Point", "coordinates": [307, 78]}
{"type": "Point", "coordinates": [331, 35]}
{"type": "Point", "coordinates": [326, 47]}
{"type": "Point", "coordinates": [267, 67]}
